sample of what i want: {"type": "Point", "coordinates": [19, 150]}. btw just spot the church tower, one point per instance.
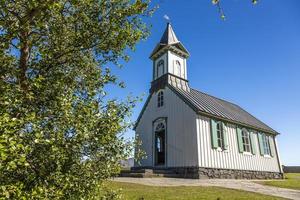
{"type": "Point", "coordinates": [169, 62]}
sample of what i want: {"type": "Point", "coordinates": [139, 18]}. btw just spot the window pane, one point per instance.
{"type": "Point", "coordinates": [248, 148]}
{"type": "Point", "coordinates": [160, 68]}
{"type": "Point", "coordinates": [177, 68]}
{"type": "Point", "coordinates": [158, 145]}
{"type": "Point", "coordinates": [266, 144]}
{"type": "Point", "coordinates": [160, 99]}
{"type": "Point", "coordinates": [246, 141]}
{"type": "Point", "coordinates": [220, 135]}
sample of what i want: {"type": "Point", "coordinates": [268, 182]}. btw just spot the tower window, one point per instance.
{"type": "Point", "coordinates": [177, 68]}
{"type": "Point", "coordinates": [160, 99]}
{"type": "Point", "coordinates": [160, 69]}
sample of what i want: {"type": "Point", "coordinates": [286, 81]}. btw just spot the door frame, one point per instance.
{"type": "Point", "coordinates": [154, 124]}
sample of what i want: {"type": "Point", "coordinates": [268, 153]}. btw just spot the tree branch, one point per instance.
{"type": "Point", "coordinates": [24, 56]}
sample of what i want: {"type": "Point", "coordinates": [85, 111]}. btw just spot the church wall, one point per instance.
{"type": "Point", "coordinates": [231, 158]}
{"type": "Point", "coordinates": [181, 131]}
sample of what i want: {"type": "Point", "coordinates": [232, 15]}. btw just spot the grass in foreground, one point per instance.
{"type": "Point", "coordinates": [291, 181]}
{"type": "Point", "coordinates": [132, 191]}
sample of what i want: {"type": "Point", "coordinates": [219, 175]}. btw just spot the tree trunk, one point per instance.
{"type": "Point", "coordinates": [24, 56]}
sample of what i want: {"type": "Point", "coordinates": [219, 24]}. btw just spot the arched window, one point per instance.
{"type": "Point", "coordinates": [160, 99]}
{"type": "Point", "coordinates": [160, 127]}
{"type": "Point", "coordinates": [220, 136]}
{"type": "Point", "coordinates": [246, 140]}
{"type": "Point", "coordinates": [160, 68]}
{"type": "Point", "coordinates": [177, 68]}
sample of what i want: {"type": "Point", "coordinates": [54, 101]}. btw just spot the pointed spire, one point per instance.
{"type": "Point", "coordinates": [169, 36]}
{"type": "Point", "coordinates": [168, 40]}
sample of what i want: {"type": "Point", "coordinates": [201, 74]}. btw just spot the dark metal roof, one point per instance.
{"type": "Point", "coordinates": [215, 107]}
{"type": "Point", "coordinates": [169, 36]}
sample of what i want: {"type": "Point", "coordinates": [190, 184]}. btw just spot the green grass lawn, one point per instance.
{"type": "Point", "coordinates": [131, 191]}
{"type": "Point", "coordinates": [291, 180]}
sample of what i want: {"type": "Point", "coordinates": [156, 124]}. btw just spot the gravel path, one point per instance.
{"type": "Point", "coordinates": [246, 185]}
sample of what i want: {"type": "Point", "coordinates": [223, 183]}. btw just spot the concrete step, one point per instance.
{"type": "Point", "coordinates": [149, 173]}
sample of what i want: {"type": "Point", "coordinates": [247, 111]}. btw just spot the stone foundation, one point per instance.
{"type": "Point", "coordinates": [208, 173]}
{"type": "Point", "coordinates": [205, 173]}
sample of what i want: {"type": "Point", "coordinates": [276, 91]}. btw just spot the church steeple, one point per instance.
{"type": "Point", "coordinates": [169, 39]}
{"type": "Point", "coordinates": [169, 61]}
{"type": "Point", "coordinates": [169, 36]}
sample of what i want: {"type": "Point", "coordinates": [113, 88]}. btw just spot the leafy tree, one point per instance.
{"type": "Point", "coordinates": [59, 132]}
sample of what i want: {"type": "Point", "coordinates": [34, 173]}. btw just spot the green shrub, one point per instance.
{"type": "Point", "coordinates": [60, 133]}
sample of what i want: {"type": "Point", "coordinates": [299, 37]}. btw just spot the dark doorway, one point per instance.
{"type": "Point", "coordinates": [160, 149]}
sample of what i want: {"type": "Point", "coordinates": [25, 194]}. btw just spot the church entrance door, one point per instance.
{"type": "Point", "coordinates": [160, 144]}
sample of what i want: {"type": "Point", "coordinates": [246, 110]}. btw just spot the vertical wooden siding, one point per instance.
{"type": "Point", "coordinates": [181, 131]}
{"type": "Point", "coordinates": [231, 158]}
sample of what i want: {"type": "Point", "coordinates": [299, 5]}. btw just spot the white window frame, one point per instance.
{"type": "Point", "coordinates": [266, 144]}
{"type": "Point", "coordinates": [177, 68]}
{"type": "Point", "coordinates": [220, 135]}
{"type": "Point", "coordinates": [246, 141]}
{"type": "Point", "coordinates": [160, 66]}
{"type": "Point", "coordinates": [160, 99]}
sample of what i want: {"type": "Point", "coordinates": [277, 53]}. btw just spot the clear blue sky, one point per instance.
{"type": "Point", "coordinates": [251, 59]}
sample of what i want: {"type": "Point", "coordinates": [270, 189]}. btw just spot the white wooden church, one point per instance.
{"type": "Point", "coordinates": [196, 134]}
